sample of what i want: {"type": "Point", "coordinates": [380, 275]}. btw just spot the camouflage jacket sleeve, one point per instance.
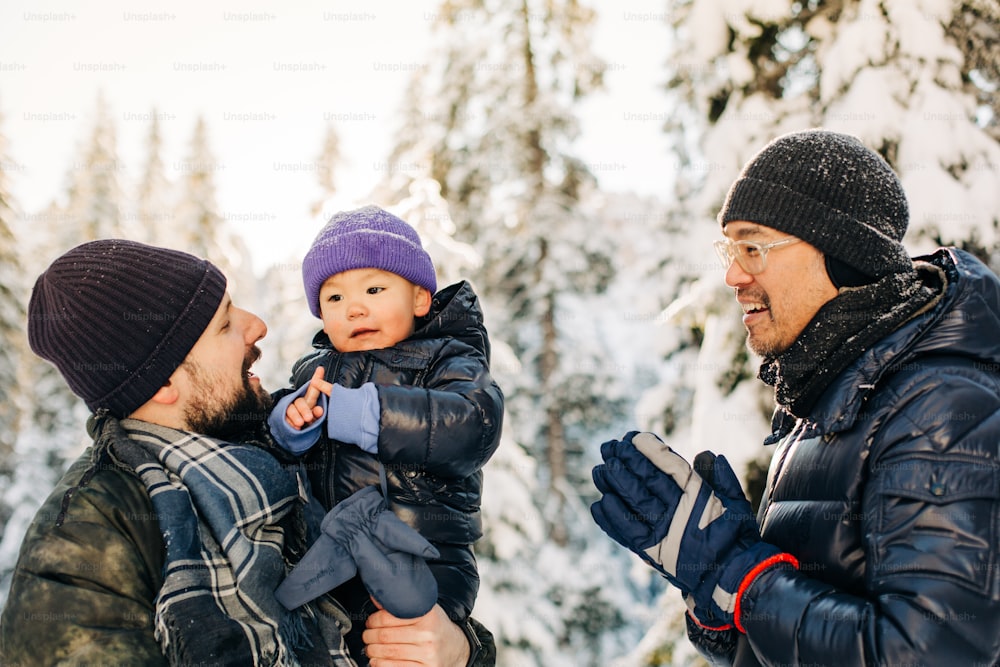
{"type": "Point", "coordinates": [82, 592]}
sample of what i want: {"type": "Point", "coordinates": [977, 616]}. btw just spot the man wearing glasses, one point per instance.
{"type": "Point", "coordinates": [878, 538]}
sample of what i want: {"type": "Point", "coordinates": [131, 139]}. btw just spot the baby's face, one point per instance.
{"type": "Point", "coordinates": [368, 309]}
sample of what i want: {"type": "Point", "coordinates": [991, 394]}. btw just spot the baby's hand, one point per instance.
{"type": "Point", "coordinates": [303, 410]}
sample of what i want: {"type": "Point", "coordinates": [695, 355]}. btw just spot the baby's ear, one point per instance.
{"type": "Point", "coordinates": [422, 301]}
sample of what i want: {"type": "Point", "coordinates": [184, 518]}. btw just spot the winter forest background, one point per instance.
{"type": "Point", "coordinates": [604, 301]}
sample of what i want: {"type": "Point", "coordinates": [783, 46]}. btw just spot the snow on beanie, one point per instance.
{"type": "Point", "coordinates": [365, 238]}
{"type": "Point", "coordinates": [118, 317]}
{"type": "Point", "coordinates": [831, 191]}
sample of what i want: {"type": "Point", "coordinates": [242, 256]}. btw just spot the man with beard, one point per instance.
{"type": "Point", "coordinates": [877, 540]}
{"type": "Point", "coordinates": [163, 543]}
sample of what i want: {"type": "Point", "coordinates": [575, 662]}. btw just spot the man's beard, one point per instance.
{"type": "Point", "coordinates": [235, 418]}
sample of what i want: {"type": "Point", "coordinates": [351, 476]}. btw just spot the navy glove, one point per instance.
{"type": "Point", "coordinates": [361, 535]}
{"type": "Point", "coordinates": [705, 543]}
{"type": "Point", "coordinates": [719, 475]}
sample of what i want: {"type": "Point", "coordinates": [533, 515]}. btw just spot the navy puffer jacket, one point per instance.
{"type": "Point", "coordinates": [441, 415]}
{"type": "Point", "coordinates": [889, 496]}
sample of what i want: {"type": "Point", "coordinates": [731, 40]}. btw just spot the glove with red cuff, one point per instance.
{"type": "Point", "coordinates": [701, 536]}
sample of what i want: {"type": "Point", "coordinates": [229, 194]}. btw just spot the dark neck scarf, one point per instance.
{"type": "Point", "coordinates": [846, 326]}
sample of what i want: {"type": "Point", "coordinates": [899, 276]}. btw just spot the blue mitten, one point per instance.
{"type": "Point", "coordinates": [361, 535]}
{"type": "Point", "coordinates": [353, 416]}
{"type": "Point", "coordinates": [705, 544]}
{"type": "Point", "coordinates": [350, 415]}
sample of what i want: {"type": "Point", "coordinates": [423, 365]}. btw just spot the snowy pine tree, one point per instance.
{"type": "Point", "coordinates": [154, 207]}
{"type": "Point", "coordinates": [11, 322]}
{"type": "Point", "coordinates": [526, 204]}
{"type": "Point", "coordinates": [327, 166]}
{"type": "Point", "coordinates": [491, 122]}
{"type": "Point", "coordinates": [95, 200]}
{"type": "Point", "coordinates": [37, 410]}
{"type": "Point", "coordinates": [975, 29]}
{"type": "Point", "coordinates": [199, 228]}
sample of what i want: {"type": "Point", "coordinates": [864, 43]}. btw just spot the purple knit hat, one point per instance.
{"type": "Point", "coordinates": [366, 238]}
{"type": "Point", "coordinates": [118, 317]}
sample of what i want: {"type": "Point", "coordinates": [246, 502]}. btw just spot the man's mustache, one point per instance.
{"type": "Point", "coordinates": [253, 354]}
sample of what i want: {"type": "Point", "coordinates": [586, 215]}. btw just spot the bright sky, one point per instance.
{"type": "Point", "coordinates": [267, 77]}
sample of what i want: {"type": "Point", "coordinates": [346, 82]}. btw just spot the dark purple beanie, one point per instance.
{"type": "Point", "coordinates": [831, 191]}
{"type": "Point", "coordinates": [118, 317]}
{"type": "Point", "coordinates": [366, 238]}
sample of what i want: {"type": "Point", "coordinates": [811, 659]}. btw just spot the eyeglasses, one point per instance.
{"type": "Point", "coordinates": [749, 255]}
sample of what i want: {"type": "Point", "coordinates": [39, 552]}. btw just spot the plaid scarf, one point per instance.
{"type": "Point", "coordinates": [221, 509]}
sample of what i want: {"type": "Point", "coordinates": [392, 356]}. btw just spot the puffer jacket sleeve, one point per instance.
{"type": "Point", "coordinates": [718, 647]}
{"type": "Point", "coordinates": [930, 515]}
{"type": "Point", "coordinates": [82, 592]}
{"type": "Point", "coordinates": [449, 426]}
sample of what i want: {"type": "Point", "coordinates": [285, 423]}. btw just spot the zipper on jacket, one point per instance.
{"type": "Point", "coordinates": [326, 458]}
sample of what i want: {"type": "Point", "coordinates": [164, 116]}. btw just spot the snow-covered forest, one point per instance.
{"type": "Point", "coordinates": [605, 304]}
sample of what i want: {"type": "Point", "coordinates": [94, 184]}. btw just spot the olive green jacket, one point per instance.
{"type": "Point", "coordinates": [83, 589]}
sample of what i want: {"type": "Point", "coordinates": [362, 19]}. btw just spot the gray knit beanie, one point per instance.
{"type": "Point", "coordinates": [831, 191]}
{"type": "Point", "coordinates": [118, 317]}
